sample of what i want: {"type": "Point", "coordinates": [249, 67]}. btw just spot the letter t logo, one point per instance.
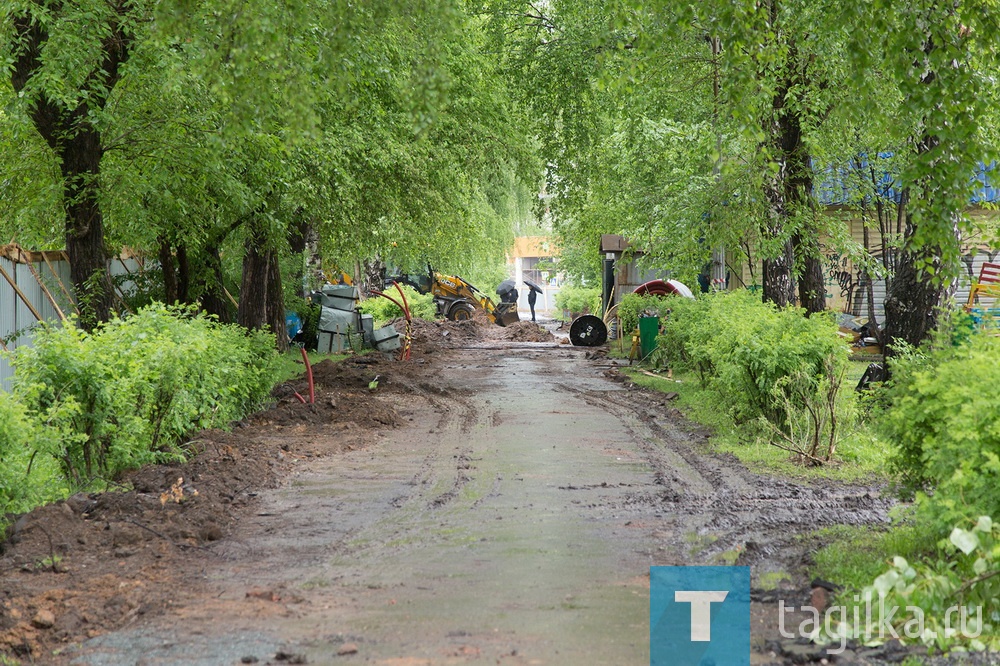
{"type": "Point", "coordinates": [701, 607]}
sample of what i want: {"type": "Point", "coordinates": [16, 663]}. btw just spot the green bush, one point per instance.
{"type": "Point", "coordinates": [773, 366]}
{"type": "Point", "coordinates": [26, 478]}
{"type": "Point", "coordinates": [944, 420]}
{"type": "Point", "coordinates": [129, 393]}
{"type": "Point", "coordinates": [383, 310]}
{"type": "Point", "coordinates": [947, 601]}
{"type": "Point", "coordinates": [633, 306]}
{"type": "Point", "coordinates": [688, 332]}
{"type": "Point", "coordinates": [579, 300]}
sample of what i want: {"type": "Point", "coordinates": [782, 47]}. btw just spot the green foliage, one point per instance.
{"type": "Point", "coordinates": [946, 427]}
{"type": "Point", "coordinates": [578, 300]}
{"type": "Point", "coordinates": [375, 128]}
{"type": "Point", "coordinates": [862, 458]}
{"type": "Point", "coordinates": [854, 555]}
{"type": "Point", "coordinates": [25, 477]}
{"type": "Point", "coordinates": [633, 306]}
{"type": "Point", "coordinates": [383, 310]}
{"type": "Point", "coordinates": [769, 365]}
{"type": "Point", "coordinates": [949, 600]}
{"type": "Point", "coordinates": [128, 393]}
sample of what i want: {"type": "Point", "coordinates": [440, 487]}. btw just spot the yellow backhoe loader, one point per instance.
{"type": "Point", "coordinates": [456, 299]}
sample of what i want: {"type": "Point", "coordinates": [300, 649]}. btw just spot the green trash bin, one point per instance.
{"type": "Point", "coordinates": [649, 328]}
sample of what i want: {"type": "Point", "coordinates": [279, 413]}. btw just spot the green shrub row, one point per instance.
{"type": "Point", "coordinates": [944, 419]}
{"type": "Point", "coordinates": [86, 406]}
{"type": "Point", "coordinates": [755, 355]}
{"type": "Point", "coordinates": [767, 365]}
{"type": "Point", "coordinates": [579, 300]}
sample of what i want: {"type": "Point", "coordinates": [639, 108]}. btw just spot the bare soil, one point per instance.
{"type": "Point", "coordinates": [95, 563]}
{"type": "Point", "coordinates": [497, 498]}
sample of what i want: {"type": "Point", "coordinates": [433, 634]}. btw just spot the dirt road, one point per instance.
{"type": "Point", "coordinates": [510, 516]}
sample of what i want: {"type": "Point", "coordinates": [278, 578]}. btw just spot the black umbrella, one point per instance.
{"type": "Point", "coordinates": [532, 286]}
{"type": "Point", "coordinates": [506, 286]}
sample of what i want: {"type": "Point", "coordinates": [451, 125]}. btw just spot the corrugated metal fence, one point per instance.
{"type": "Point", "coordinates": [34, 287]}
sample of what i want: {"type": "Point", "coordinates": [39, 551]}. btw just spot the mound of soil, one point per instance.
{"type": "Point", "coordinates": [524, 331]}
{"type": "Point", "coordinates": [75, 569]}
{"type": "Point", "coordinates": [430, 336]}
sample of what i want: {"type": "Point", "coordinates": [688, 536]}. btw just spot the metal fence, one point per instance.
{"type": "Point", "coordinates": [35, 288]}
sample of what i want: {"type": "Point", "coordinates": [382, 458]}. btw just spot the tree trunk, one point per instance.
{"type": "Point", "coordinates": [80, 158]}
{"type": "Point", "coordinates": [914, 296]}
{"type": "Point", "coordinates": [788, 192]}
{"type": "Point", "coordinates": [261, 299]}
{"type": "Point", "coordinates": [168, 270]}
{"type": "Point", "coordinates": [873, 325]}
{"type": "Point", "coordinates": [213, 298]}
{"type": "Point", "coordinates": [779, 287]}
{"type": "Point", "coordinates": [812, 286]}
{"type": "Point", "coordinates": [314, 278]}
{"type": "Point", "coordinates": [76, 143]}
{"type": "Point", "coordinates": [183, 274]}
{"type": "Point", "coordinates": [276, 302]}
{"type": "Point", "coordinates": [374, 276]}
{"type": "Point", "coordinates": [302, 232]}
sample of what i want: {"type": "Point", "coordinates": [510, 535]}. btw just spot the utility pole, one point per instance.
{"type": "Point", "coordinates": [718, 272]}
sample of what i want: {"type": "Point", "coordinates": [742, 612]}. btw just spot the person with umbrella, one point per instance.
{"type": "Point", "coordinates": [533, 291]}
{"type": "Point", "coordinates": [507, 291]}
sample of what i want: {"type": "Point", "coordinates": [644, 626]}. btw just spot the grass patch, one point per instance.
{"type": "Point", "coordinates": [773, 580]}
{"type": "Point", "coordinates": [861, 456]}
{"type": "Point", "coordinates": [289, 365]}
{"type": "Point", "coordinates": [855, 555]}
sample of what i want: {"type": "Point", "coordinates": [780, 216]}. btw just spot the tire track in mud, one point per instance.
{"type": "Point", "coordinates": [457, 416]}
{"type": "Point", "coordinates": [719, 507]}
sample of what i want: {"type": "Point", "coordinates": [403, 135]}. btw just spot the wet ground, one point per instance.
{"type": "Point", "coordinates": [502, 503]}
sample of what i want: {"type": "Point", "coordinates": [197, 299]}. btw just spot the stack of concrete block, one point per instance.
{"type": "Point", "coordinates": [340, 323]}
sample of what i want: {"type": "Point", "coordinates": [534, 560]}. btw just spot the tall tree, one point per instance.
{"type": "Point", "coordinates": [939, 68]}
{"type": "Point", "coordinates": [65, 95]}
{"type": "Point", "coordinates": [383, 126]}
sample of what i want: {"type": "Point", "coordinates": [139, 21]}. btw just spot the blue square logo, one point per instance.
{"type": "Point", "coordinates": [699, 616]}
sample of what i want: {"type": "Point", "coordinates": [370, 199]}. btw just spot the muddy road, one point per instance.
{"type": "Point", "coordinates": [504, 506]}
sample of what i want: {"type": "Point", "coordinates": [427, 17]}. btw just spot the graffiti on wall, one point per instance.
{"type": "Point", "coordinates": [971, 260]}
{"type": "Point", "coordinates": [840, 275]}
{"type": "Point", "coordinates": [847, 287]}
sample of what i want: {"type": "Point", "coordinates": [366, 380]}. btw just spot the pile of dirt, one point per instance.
{"type": "Point", "coordinates": [429, 336]}
{"type": "Point", "coordinates": [523, 331]}
{"type": "Point", "coordinates": [345, 391]}
{"type": "Point", "coordinates": [75, 569]}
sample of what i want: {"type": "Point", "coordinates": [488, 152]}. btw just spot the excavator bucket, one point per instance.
{"type": "Point", "coordinates": [505, 314]}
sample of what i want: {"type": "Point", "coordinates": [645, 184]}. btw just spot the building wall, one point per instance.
{"type": "Point", "coordinates": [846, 288]}
{"type": "Point", "coordinates": [16, 319]}
{"type": "Point", "coordinates": [527, 252]}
